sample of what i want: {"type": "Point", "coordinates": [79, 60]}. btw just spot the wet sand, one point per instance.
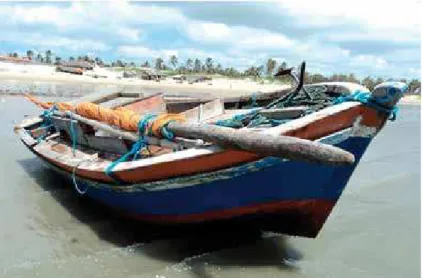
{"type": "Point", "coordinates": [48, 231]}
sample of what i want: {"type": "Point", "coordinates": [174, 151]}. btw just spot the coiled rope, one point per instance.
{"type": "Point", "coordinates": [367, 99]}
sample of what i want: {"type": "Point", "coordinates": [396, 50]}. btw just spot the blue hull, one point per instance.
{"type": "Point", "coordinates": [275, 180]}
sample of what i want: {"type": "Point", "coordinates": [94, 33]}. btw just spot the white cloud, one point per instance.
{"type": "Point", "coordinates": [208, 32]}
{"type": "Point", "coordinates": [133, 51]}
{"type": "Point", "coordinates": [125, 27]}
{"type": "Point", "coordinates": [369, 61]}
{"type": "Point", "coordinates": [389, 14]}
{"type": "Point", "coordinates": [47, 41]}
{"type": "Point", "coordinates": [130, 33]}
{"type": "Point", "coordinates": [240, 37]}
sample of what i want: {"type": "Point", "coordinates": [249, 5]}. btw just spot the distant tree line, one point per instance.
{"type": "Point", "coordinates": [208, 66]}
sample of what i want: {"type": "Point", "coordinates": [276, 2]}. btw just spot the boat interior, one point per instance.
{"type": "Point", "coordinates": [86, 141]}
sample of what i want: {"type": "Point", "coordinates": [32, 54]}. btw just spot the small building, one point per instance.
{"type": "Point", "coordinates": [16, 60]}
{"type": "Point", "coordinates": [75, 67]}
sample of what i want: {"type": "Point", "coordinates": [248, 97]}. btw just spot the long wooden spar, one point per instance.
{"type": "Point", "coordinates": [267, 145]}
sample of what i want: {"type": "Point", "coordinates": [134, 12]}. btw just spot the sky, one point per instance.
{"type": "Point", "coordinates": [376, 38]}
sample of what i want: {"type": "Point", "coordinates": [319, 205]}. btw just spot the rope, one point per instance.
{"type": "Point", "coordinates": [367, 99]}
{"type": "Point", "coordinates": [73, 134]}
{"type": "Point", "coordinates": [149, 125]}
{"type": "Point", "coordinates": [75, 184]}
{"type": "Point", "coordinates": [252, 119]}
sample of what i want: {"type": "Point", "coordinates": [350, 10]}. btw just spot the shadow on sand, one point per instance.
{"type": "Point", "coordinates": [224, 245]}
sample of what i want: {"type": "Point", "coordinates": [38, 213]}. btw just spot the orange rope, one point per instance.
{"type": "Point", "coordinates": [62, 106]}
{"type": "Point", "coordinates": [121, 117]}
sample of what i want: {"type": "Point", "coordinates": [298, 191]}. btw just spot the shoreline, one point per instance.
{"type": "Point", "coordinates": [218, 88]}
{"type": "Point", "coordinates": [407, 100]}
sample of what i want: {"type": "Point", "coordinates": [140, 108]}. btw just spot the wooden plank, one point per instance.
{"type": "Point", "coordinates": [154, 104]}
{"type": "Point", "coordinates": [204, 111]}
{"type": "Point", "coordinates": [26, 123]}
{"type": "Point", "coordinates": [26, 138]}
{"type": "Point", "coordinates": [131, 94]}
{"type": "Point", "coordinates": [62, 124]}
{"type": "Point", "coordinates": [96, 97]}
{"type": "Point", "coordinates": [119, 133]}
{"type": "Point", "coordinates": [284, 113]}
{"type": "Point", "coordinates": [107, 144]}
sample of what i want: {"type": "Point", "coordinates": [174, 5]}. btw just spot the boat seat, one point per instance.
{"type": "Point", "coordinates": [64, 126]}
{"type": "Point", "coordinates": [86, 137]}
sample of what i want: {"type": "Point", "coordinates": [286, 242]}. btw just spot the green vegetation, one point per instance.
{"type": "Point", "coordinates": [191, 67]}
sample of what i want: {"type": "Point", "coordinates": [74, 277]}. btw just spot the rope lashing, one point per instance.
{"type": "Point", "coordinates": [237, 121]}
{"type": "Point", "coordinates": [319, 100]}
{"type": "Point", "coordinates": [367, 99]}
{"type": "Point", "coordinates": [254, 100]}
{"type": "Point", "coordinates": [149, 125]}
{"type": "Point", "coordinates": [73, 134]}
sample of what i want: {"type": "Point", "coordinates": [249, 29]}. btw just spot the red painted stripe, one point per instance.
{"type": "Point", "coordinates": [298, 218]}
{"type": "Point", "coordinates": [315, 207]}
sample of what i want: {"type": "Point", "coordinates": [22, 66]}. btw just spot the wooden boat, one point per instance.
{"type": "Point", "coordinates": [189, 181]}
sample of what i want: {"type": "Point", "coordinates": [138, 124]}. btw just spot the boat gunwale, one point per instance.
{"type": "Point", "coordinates": [175, 157]}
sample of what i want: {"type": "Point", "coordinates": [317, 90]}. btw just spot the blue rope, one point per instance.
{"type": "Point", "coordinates": [47, 122]}
{"type": "Point", "coordinates": [367, 99]}
{"type": "Point", "coordinates": [42, 137]}
{"type": "Point", "coordinates": [73, 135]}
{"type": "Point", "coordinates": [237, 120]}
{"type": "Point", "coordinates": [136, 147]}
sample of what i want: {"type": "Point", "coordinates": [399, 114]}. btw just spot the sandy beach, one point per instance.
{"type": "Point", "coordinates": [218, 87]}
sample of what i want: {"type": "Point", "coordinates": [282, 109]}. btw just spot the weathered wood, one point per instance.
{"type": "Point", "coordinates": [151, 104]}
{"type": "Point", "coordinates": [204, 111]}
{"type": "Point", "coordinates": [283, 113]}
{"type": "Point", "coordinates": [26, 138]}
{"type": "Point", "coordinates": [178, 105]}
{"type": "Point", "coordinates": [63, 124]}
{"type": "Point", "coordinates": [108, 144]}
{"type": "Point", "coordinates": [267, 145]}
{"type": "Point", "coordinates": [129, 100]}
{"type": "Point", "coordinates": [96, 97]}
{"type": "Point", "coordinates": [28, 123]}
{"type": "Point", "coordinates": [117, 132]}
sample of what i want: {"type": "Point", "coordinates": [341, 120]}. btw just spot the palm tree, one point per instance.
{"type": "Point", "coordinates": [39, 57]}
{"type": "Point", "coordinates": [219, 68]}
{"type": "Point", "coordinates": [48, 56]}
{"type": "Point", "coordinates": [197, 65]}
{"type": "Point", "coordinates": [119, 63]}
{"type": "Point", "coordinates": [174, 61]}
{"type": "Point", "coordinates": [159, 64]}
{"type": "Point", "coordinates": [270, 66]}
{"type": "Point", "coordinates": [58, 59]}
{"type": "Point", "coordinates": [71, 58]}
{"type": "Point", "coordinates": [29, 54]}
{"type": "Point", "coordinates": [15, 55]}
{"type": "Point", "coordinates": [98, 61]}
{"type": "Point", "coordinates": [209, 65]}
{"type": "Point", "coordinates": [414, 85]}
{"type": "Point", "coordinates": [189, 64]}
